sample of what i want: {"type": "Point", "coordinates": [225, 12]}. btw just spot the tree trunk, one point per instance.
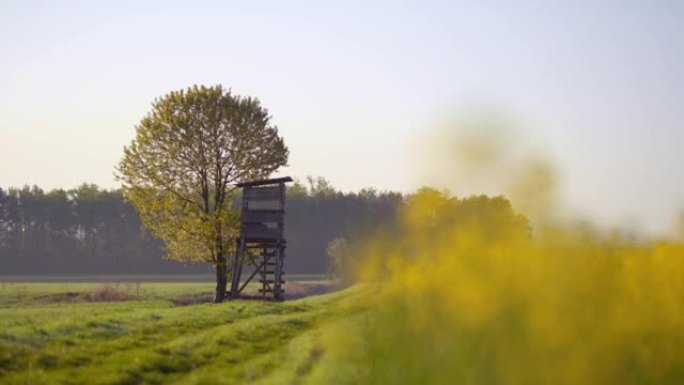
{"type": "Point", "coordinates": [221, 280]}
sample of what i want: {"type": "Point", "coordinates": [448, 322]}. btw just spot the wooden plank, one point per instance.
{"type": "Point", "coordinates": [250, 216]}
{"type": "Point", "coordinates": [271, 272]}
{"type": "Point", "coordinates": [262, 182]}
{"type": "Point", "coordinates": [260, 243]}
{"type": "Point", "coordinates": [263, 205]}
{"type": "Point", "coordinates": [266, 234]}
{"type": "Point", "coordinates": [259, 246]}
{"type": "Point", "coordinates": [263, 193]}
{"type": "Point", "coordinates": [257, 227]}
{"type": "Point", "coordinates": [248, 280]}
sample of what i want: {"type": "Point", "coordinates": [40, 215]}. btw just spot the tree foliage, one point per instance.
{"type": "Point", "coordinates": [73, 232]}
{"type": "Point", "coordinates": [436, 213]}
{"type": "Point", "coordinates": [90, 230]}
{"type": "Point", "coordinates": [181, 168]}
{"type": "Point", "coordinates": [5, 221]}
{"type": "Point", "coordinates": [337, 251]}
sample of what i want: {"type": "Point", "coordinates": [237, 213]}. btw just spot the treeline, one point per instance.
{"type": "Point", "coordinates": [89, 230]}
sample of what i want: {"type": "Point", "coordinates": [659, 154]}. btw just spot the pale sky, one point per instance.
{"type": "Point", "coordinates": [353, 86]}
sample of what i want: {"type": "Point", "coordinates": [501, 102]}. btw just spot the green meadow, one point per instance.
{"type": "Point", "coordinates": [161, 333]}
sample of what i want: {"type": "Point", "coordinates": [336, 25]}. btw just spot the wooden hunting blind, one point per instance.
{"type": "Point", "coordinates": [261, 245]}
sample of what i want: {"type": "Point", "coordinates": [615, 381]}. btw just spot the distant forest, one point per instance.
{"type": "Point", "coordinates": [90, 230]}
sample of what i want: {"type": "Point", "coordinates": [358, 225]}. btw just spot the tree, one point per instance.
{"type": "Point", "coordinates": [338, 251]}
{"type": "Point", "coordinates": [320, 187]}
{"type": "Point", "coordinates": [5, 222]}
{"type": "Point", "coordinates": [179, 171]}
{"type": "Point", "coordinates": [437, 214]}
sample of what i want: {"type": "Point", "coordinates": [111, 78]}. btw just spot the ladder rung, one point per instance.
{"type": "Point", "coordinates": [270, 290]}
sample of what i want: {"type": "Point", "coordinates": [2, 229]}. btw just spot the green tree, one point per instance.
{"type": "Point", "coordinates": [179, 172]}
{"type": "Point", "coordinates": [338, 251]}
{"type": "Point", "coordinates": [320, 187]}
{"type": "Point", "coordinates": [5, 221]}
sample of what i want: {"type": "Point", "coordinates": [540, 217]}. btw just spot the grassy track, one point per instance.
{"type": "Point", "coordinates": [46, 339]}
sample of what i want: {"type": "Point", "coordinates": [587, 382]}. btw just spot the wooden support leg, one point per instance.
{"type": "Point", "coordinates": [277, 286]}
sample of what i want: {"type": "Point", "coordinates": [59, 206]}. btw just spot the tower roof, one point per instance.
{"type": "Point", "coordinates": [264, 182]}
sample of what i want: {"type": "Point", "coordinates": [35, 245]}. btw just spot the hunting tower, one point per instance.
{"type": "Point", "coordinates": [261, 245]}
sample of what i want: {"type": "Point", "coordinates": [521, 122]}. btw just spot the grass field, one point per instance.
{"type": "Point", "coordinates": [159, 333]}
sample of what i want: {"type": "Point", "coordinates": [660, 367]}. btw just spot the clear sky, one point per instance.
{"type": "Point", "coordinates": [354, 85]}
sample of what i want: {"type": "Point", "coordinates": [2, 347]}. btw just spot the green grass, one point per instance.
{"type": "Point", "coordinates": [51, 334]}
